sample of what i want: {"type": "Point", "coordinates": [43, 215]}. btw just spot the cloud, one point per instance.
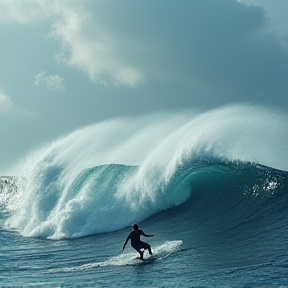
{"type": "Point", "coordinates": [84, 44]}
{"type": "Point", "coordinates": [25, 12]}
{"type": "Point", "coordinates": [6, 105]}
{"type": "Point", "coordinates": [52, 82]}
{"type": "Point", "coordinates": [218, 47]}
{"type": "Point", "coordinates": [276, 11]}
{"type": "Point", "coordinates": [93, 50]}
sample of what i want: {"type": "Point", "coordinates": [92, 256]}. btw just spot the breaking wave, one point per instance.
{"type": "Point", "coordinates": [106, 176]}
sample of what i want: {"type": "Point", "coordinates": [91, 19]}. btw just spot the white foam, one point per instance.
{"type": "Point", "coordinates": [44, 206]}
{"type": "Point", "coordinates": [159, 253]}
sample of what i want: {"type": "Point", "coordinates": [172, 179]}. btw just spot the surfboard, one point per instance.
{"type": "Point", "coordinates": [150, 259]}
{"type": "Point", "coordinates": [143, 259]}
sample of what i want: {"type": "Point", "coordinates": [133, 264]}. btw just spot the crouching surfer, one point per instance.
{"type": "Point", "coordinates": [136, 243]}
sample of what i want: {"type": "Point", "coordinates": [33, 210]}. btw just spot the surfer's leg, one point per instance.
{"type": "Point", "coordinates": [141, 254]}
{"type": "Point", "coordinates": [147, 246]}
{"type": "Point", "coordinates": [149, 249]}
{"type": "Point", "coordinates": [139, 251]}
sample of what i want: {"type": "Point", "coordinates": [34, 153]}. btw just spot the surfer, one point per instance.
{"type": "Point", "coordinates": [136, 243]}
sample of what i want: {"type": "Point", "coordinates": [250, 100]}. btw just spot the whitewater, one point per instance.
{"type": "Point", "coordinates": [212, 186]}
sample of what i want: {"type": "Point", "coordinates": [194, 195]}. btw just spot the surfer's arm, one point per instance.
{"type": "Point", "coordinates": [147, 235]}
{"type": "Point", "coordinates": [127, 239]}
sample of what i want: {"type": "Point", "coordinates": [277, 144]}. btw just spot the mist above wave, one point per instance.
{"type": "Point", "coordinates": [49, 203]}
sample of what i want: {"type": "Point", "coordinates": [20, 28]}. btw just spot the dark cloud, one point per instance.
{"type": "Point", "coordinates": [222, 47]}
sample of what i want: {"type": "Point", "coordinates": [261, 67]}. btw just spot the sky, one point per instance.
{"type": "Point", "coordinates": [66, 64]}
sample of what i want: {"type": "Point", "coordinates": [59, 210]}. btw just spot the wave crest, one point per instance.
{"type": "Point", "coordinates": [71, 189]}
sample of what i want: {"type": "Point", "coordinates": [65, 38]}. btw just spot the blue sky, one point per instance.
{"type": "Point", "coordinates": [67, 64]}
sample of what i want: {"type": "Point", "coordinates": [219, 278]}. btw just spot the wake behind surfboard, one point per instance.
{"type": "Point", "coordinates": [159, 253]}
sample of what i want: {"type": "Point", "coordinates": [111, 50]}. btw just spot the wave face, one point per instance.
{"type": "Point", "coordinates": [72, 186]}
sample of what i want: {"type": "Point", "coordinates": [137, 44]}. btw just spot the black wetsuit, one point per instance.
{"type": "Point", "coordinates": [136, 243]}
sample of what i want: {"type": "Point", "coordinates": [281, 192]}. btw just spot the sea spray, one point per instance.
{"type": "Point", "coordinates": [72, 186]}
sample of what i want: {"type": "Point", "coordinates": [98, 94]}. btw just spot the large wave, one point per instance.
{"type": "Point", "coordinates": [104, 177]}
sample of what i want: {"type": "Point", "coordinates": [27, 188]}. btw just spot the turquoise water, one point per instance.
{"type": "Point", "coordinates": [216, 199]}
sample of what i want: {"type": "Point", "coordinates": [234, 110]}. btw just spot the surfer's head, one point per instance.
{"type": "Point", "coordinates": [135, 226]}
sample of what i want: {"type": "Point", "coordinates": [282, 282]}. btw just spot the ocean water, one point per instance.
{"type": "Point", "coordinates": [213, 186]}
